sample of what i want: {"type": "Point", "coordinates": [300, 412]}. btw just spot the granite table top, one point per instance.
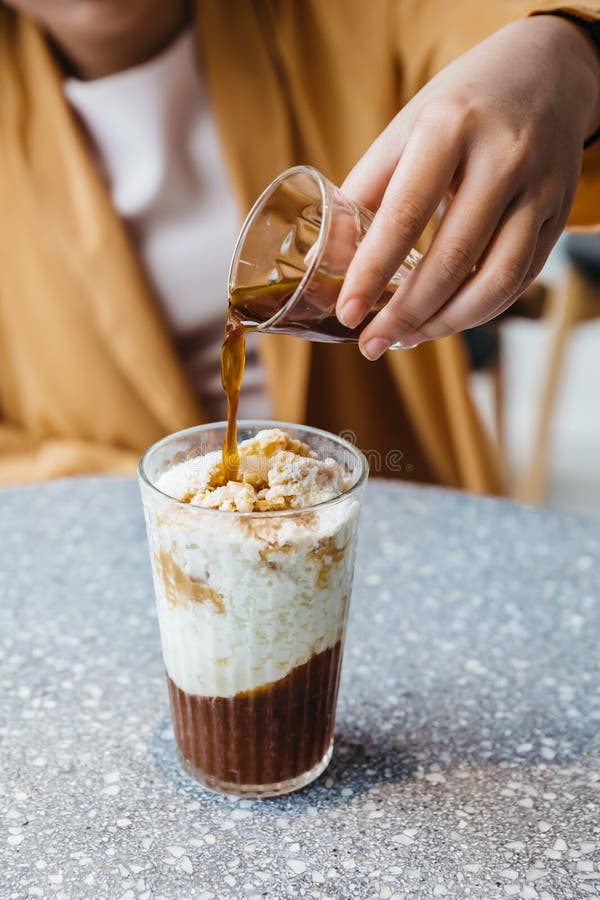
{"type": "Point", "coordinates": [467, 761]}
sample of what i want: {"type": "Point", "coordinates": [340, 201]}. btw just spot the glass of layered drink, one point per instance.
{"type": "Point", "coordinates": [253, 580]}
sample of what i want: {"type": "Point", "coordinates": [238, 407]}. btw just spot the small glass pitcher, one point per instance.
{"type": "Point", "coordinates": [292, 255]}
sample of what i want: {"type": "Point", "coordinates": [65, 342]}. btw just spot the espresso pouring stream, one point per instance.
{"type": "Point", "coordinates": [249, 306]}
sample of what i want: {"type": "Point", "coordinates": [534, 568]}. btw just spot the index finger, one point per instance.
{"type": "Point", "coordinates": [419, 182]}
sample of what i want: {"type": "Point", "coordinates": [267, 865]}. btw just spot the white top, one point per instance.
{"type": "Point", "coordinates": [157, 147]}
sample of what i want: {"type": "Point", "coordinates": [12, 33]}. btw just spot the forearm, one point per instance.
{"type": "Point", "coordinates": [423, 50]}
{"type": "Point", "coordinates": [582, 44]}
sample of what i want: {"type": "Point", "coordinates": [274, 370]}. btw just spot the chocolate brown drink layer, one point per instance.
{"type": "Point", "coordinates": [271, 734]}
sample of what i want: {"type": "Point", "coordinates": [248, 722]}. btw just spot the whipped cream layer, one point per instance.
{"type": "Point", "coordinates": [242, 600]}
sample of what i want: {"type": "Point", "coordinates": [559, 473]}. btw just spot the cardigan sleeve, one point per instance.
{"type": "Point", "coordinates": [431, 33]}
{"type": "Point", "coordinates": [26, 458]}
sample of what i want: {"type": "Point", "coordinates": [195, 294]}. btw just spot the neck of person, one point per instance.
{"type": "Point", "coordinates": [90, 55]}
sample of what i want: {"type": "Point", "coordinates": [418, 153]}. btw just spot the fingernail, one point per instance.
{"type": "Point", "coordinates": [352, 313]}
{"type": "Point", "coordinates": [375, 347]}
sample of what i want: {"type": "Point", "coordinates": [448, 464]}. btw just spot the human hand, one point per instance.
{"type": "Point", "coordinates": [501, 130]}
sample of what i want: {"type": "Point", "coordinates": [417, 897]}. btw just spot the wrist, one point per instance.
{"type": "Point", "coordinates": [583, 60]}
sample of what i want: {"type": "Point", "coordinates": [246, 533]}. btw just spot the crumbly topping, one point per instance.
{"type": "Point", "coordinates": [276, 472]}
{"type": "Point", "coordinates": [269, 441]}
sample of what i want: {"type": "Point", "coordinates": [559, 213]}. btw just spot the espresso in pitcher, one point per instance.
{"type": "Point", "coordinates": [249, 307]}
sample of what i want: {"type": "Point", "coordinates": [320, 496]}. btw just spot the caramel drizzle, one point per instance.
{"type": "Point", "coordinates": [180, 589]}
{"type": "Point", "coordinates": [330, 556]}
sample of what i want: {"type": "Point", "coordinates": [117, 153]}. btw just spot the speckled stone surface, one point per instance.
{"type": "Point", "coordinates": [467, 762]}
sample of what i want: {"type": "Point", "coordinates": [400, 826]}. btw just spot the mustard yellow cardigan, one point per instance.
{"type": "Point", "coordinates": [88, 374]}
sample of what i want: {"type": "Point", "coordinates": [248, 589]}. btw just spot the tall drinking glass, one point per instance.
{"type": "Point", "coordinates": [292, 255]}
{"type": "Point", "coordinates": [252, 611]}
